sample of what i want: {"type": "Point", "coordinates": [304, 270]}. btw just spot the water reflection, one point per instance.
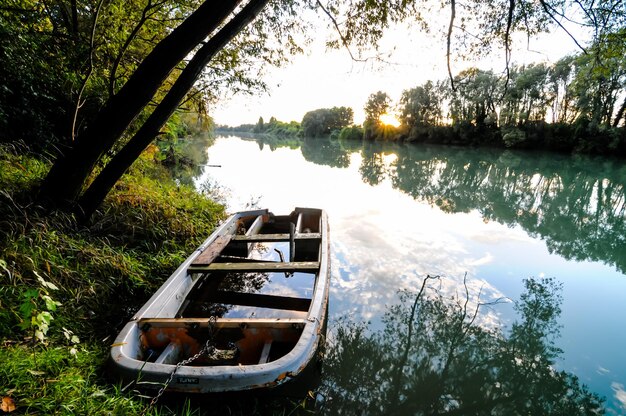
{"type": "Point", "coordinates": [576, 204]}
{"type": "Point", "coordinates": [389, 228]}
{"type": "Point", "coordinates": [325, 152]}
{"type": "Point", "coordinates": [189, 157]}
{"type": "Point", "coordinates": [432, 358]}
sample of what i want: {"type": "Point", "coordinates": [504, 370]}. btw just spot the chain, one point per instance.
{"type": "Point", "coordinates": [206, 349]}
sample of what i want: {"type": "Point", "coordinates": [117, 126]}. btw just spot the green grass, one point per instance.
{"type": "Point", "coordinates": [100, 274]}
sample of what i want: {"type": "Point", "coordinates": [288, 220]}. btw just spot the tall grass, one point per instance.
{"type": "Point", "coordinates": [100, 274]}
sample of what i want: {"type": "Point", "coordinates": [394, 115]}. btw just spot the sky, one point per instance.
{"type": "Point", "coordinates": [323, 78]}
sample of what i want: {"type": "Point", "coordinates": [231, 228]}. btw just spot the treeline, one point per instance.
{"type": "Point", "coordinates": [272, 127]}
{"type": "Point", "coordinates": [322, 122]}
{"type": "Point", "coordinates": [577, 104]}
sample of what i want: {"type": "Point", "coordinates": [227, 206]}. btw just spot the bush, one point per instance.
{"type": "Point", "coordinates": [513, 137]}
{"type": "Point", "coordinates": [351, 133]}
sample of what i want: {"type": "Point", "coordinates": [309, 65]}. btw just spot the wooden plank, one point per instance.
{"type": "Point", "coordinates": [223, 322]}
{"type": "Point", "coordinates": [265, 353]}
{"type": "Point", "coordinates": [256, 226]}
{"type": "Point", "coordinates": [170, 355]}
{"type": "Point", "coordinates": [290, 267]}
{"type": "Point", "coordinates": [268, 238]}
{"type": "Point", "coordinates": [212, 251]}
{"type": "Point", "coordinates": [261, 301]}
{"type": "Point", "coordinates": [233, 259]}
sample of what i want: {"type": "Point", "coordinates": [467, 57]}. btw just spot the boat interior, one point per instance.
{"type": "Point", "coordinates": [252, 291]}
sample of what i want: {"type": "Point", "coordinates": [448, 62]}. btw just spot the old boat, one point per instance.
{"type": "Point", "coordinates": [252, 299]}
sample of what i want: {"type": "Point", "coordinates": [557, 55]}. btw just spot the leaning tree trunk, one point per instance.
{"type": "Point", "coordinates": [111, 173]}
{"type": "Point", "coordinates": [67, 176]}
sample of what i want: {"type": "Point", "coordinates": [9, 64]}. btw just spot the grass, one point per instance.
{"type": "Point", "coordinates": [66, 290]}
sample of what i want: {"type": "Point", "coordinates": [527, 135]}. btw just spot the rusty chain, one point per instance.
{"type": "Point", "coordinates": [206, 349]}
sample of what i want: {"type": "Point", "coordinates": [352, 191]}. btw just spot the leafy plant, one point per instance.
{"type": "Point", "coordinates": [37, 307]}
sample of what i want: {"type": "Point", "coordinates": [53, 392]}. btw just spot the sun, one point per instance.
{"type": "Point", "coordinates": [389, 120]}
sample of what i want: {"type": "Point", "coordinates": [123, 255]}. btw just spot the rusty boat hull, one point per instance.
{"type": "Point", "coordinates": [256, 291]}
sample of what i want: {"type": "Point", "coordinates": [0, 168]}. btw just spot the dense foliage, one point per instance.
{"type": "Point", "coordinates": [324, 121]}
{"type": "Point", "coordinates": [572, 105]}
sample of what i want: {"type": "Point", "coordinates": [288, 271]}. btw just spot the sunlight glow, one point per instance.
{"type": "Point", "coordinates": [389, 120]}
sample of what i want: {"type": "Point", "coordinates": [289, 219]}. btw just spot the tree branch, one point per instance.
{"type": "Point", "coordinates": [449, 39]}
{"type": "Point", "coordinates": [89, 69]}
{"type": "Point", "coordinates": [547, 8]}
{"type": "Point", "coordinates": [344, 41]}
{"type": "Point", "coordinates": [507, 45]}
{"type": "Point", "coordinates": [131, 37]}
{"type": "Point", "coordinates": [122, 160]}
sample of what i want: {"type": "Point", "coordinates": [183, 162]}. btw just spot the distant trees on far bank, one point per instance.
{"type": "Point", "coordinates": [576, 104]}
{"type": "Point", "coordinates": [317, 123]}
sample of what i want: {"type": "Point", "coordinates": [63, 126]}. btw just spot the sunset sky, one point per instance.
{"type": "Point", "coordinates": [324, 79]}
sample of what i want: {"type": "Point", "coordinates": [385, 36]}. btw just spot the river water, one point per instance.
{"type": "Point", "coordinates": [489, 218]}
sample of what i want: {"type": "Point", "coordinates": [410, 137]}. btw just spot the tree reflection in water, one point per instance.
{"type": "Point", "coordinates": [432, 357]}
{"type": "Point", "coordinates": [577, 204]}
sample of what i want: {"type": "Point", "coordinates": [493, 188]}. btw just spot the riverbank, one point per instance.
{"type": "Point", "coordinates": [67, 289]}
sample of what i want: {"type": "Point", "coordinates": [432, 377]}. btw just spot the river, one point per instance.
{"type": "Point", "coordinates": [487, 217]}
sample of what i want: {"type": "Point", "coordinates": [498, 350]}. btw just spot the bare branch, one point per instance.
{"type": "Point", "coordinates": [402, 362]}
{"type": "Point", "coordinates": [133, 34]}
{"type": "Point", "coordinates": [507, 45]}
{"type": "Point", "coordinates": [549, 10]}
{"type": "Point", "coordinates": [79, 104]}
{"type": "Point", "coordinates": [449, 39]}
{"type": "Point", "coordinates": [344, 41]}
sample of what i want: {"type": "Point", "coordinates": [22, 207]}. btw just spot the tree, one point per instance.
{"type": "Point", "coordinates": [66, 178]}
{"type": "Point", "coordinates": [98, 189]}
{"type": "Point", "coordinates": [421, 106]}
{"type": "Point", "coordinates": [323, 121]}
{"type": "Point", "coordinates": [341, 117]}
{"type": "Point", "coordinates": [101, 41]}
{"type": "Point", "coordinates": [475, 98]}
{"type": "Point", "coordinates": [527, 97]}
{"type": "Point", "coordinates": [600, 79]}
{"type": "Point", "coordinates": [260, 126]}
{"type": "Point", "coordinates": [377, 104]}
{"type": "Point", "coordinates": [560, 80]}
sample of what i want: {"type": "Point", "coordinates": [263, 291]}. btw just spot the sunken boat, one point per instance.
{"type": "Point", "coordinates": [245, 311]}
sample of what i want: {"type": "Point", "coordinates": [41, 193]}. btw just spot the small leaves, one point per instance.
{"type": "Point", "coordinates": [4, 266]}
{"type": "Point", "coordinates": [51, 304]}
{"type": "Point", "coordinates": [73, 339]}
{"type": "Point", "coordinates": [69, 335]}
{"type": "Point", "coordinates": [45, 283]}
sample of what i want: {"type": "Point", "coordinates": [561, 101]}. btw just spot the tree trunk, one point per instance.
{"type": "Point", "coordinates": [103, 183]}
{"type": "Point", "coordinates": [620, 114]}
{"type": "Point", "coordinates": [65, 180]}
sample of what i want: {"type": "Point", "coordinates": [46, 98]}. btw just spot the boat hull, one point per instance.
{"type": "Point", "coordinates": [270, 351]}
